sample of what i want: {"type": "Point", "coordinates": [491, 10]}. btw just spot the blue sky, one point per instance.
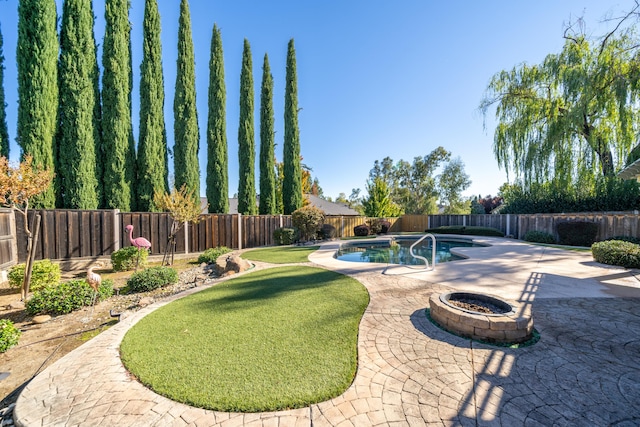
{"type": "Point", "coordinates": [375, 78]}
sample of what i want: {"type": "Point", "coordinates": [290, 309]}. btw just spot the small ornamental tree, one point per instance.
{"type": "Point", "coordinates": [18, 184]}
{"type": "Point", "coordinates": [182, 207]}
{"type": "Point", "coordinates": [308, 220]}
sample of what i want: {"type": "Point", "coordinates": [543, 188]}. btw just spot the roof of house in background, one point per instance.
{"type": "Point", "coordinates": [329, 208]}
{"type": "Point", "coordinates": [631, 171]}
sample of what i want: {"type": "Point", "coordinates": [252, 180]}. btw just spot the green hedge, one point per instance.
{"type": "Point", "coordinates": [126, 258]}
{"type": "Point", "coordinates": [43, 273]}
{"type": "Point", "coordinates": [577, 233]}
{"type": "Point", "coordinates": [66, 297]}
{"type": "Point", "coordinates": [468, 230]}
{"type": "Point", "coordinates": [605, 194]}
{"type": "Point", "coordinates": [211, 255]}
{"type": "Point", "coordinates": [284, 236]}
{"type": "Point", "coordinates": [9, 335]}
{"type": "Point", "coordinates": [617, 252]}
{"type": "Point", "coordinates": [536, 236]}
{"type": "Point", "coordinates": [152, 278]}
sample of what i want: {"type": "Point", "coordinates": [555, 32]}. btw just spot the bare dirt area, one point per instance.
{"type": "Point", "coordinates": [42, 344]}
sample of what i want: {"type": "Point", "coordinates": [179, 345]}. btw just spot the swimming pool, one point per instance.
{"type": "Point", "coordinates": [396, 250]}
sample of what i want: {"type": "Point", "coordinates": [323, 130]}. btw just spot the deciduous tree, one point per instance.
{"type": "Point", "coordinates": [18, 185]}
{"type": "Point", "coordinates": [572, 117]}
{"type": "Point", "coordinates": [452, 182]}
{"type": "Point", "coordinates": [183, 207]}
{"type": "Point", "coordinates": [413, 185]}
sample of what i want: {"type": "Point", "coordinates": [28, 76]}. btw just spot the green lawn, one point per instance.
{"type": "Point", "coordinates": [274, 339]}
{"type": "Point", "coordinates": [280, 254]}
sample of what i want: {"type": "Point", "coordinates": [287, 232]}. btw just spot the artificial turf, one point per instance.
{"type": "Point", "coordinates": [274, 339]}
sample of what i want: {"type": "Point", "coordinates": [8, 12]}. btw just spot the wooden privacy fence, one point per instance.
{"type": "Point", "coordinates": [508, 224]}
{"type": "Point", "coordinates": [610, 224]}
{"type": "Point", "coordinates": [8, 242]}
{"type": "Point", "coordinates": [69, 233]}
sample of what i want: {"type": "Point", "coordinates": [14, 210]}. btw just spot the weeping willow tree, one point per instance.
{"type": "Point", "coordinates": [574, 117]}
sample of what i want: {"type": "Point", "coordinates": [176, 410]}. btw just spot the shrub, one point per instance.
{"type": "Point", "coordinates": [467, 230]}
{"type": "Point", "coordinates": [211, 255]}
{"type": "Point", "coordinates": [66, 297]}
{"type": "Point", "coordinates": [9, 335]}
{"type": "Point", "coordinates": [328, 232]}
{"type": "Point", "coordinates": [284, 236]}
{"type": "Point", "coordinates": [374, 226]}
{"type": "Point", "coordinates": [536, 236]}
{"type": "Point", "coordinates": [378, 226]}
{"type": "Point", "coordinates": [308, 219]}
{"type": "Point", "coordinates": [617, 252]}
{"type": "Point", "coordinates": [152, 278]}
{"type": "Point", "coordinates": [577, 233]}
{"type": "Point", "coordinates": [361, 230]}
{"type": "Point", "coordinates": [44, 273]}
{"type": "Point", "coordinates": [630, 239]}
{"type": "Point", "coordinates": [126, 258]}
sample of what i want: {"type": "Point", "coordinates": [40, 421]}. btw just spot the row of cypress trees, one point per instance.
{"type": "Point", "coordinates": [86, 136]}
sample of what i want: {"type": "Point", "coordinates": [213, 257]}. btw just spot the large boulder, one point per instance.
{"type": "Point", "coordinates": [231, 264]}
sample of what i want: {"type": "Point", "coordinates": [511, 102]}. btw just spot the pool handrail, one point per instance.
{"type": "Point", "coordinates": [433, 252]}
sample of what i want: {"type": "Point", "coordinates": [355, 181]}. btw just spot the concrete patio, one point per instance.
{"type": "Point", "coordinates": [585, 370]}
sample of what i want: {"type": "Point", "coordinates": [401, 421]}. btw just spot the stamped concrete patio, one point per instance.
{"type": "Point", "coordinates": [585, 370]}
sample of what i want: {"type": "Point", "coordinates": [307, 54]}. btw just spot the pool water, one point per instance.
{"type": "Point", "coordinates": [396, 251]}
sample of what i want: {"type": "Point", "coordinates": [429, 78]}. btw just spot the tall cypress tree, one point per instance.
{"type": "Point", "coordinates": [78, 132]}
{"type": "Point", "coordinates": [37, 57]}
{"type": "Point", "coordinates": [246, 138]}
{"type": "Point", "coordinates": [267, 144]}
{"type": "Point", "coordinates": [152, 141]}
{"type": "Point", "coordinates": [217, 157]}
{"type": "Point", "coordinates": [119, 153]}
{"type": "Point", "coordinates": [292, 184]}
{"type": "Point", "coordinates": [4, 131]}
{"type": "Point", "coordinates": [185, 125]}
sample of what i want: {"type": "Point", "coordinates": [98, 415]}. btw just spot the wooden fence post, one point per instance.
{"type": "Point", "coordinates": [116, 230]}
{"type": "Point", "coordinates": [186, 237]}
{"type": "Point", "coordinates": [239, 231]}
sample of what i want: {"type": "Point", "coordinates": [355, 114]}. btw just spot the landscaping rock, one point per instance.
{"type": "Point", "coordinates": [43, 318]}
{"type": "Point", "coordinates": [16, 305]}
{"type": "Point", "coordinates": [145, 301]}
{"type": "Point", "coordinates": [233, 264]}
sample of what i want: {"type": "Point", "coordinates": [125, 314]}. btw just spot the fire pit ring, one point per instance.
{"type": "Point", "coordinates": [503, 323]}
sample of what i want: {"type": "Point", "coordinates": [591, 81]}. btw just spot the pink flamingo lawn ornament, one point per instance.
{"type": "Point", "coordinates": [138, 242]}
{"type": "Point", "coordinates": [94, 280]}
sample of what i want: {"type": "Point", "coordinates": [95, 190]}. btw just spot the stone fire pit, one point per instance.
{"type": "Point", "coordinates": [482, 317]}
